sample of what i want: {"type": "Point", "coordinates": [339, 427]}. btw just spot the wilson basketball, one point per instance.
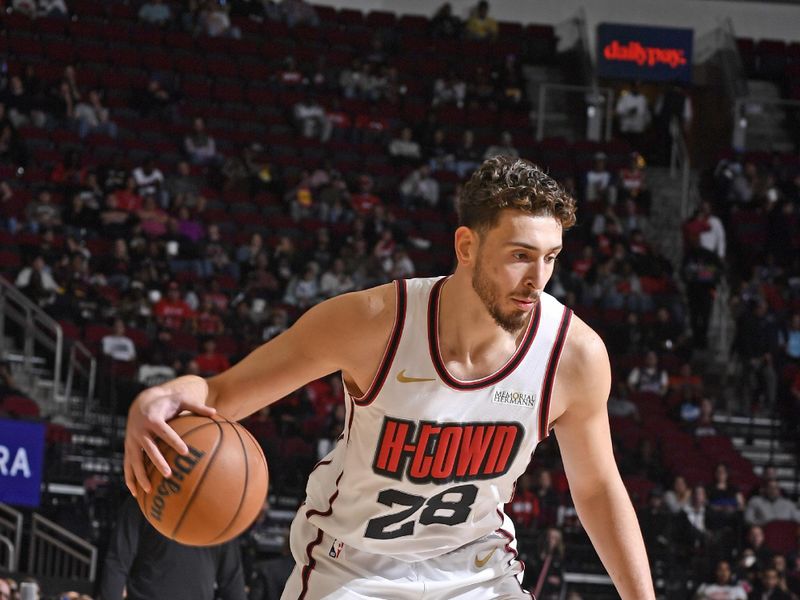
{"type": "Point", "coordinates": [215, 492]}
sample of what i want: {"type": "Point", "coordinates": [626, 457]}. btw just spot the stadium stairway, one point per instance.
{"type": "Point", "coordinates": [767, 128]}
{"type": "Point", "coordinates": [558, 120]}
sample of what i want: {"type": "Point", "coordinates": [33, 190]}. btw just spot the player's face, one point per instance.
{"type": "Point", "coordinates": [514, 262]}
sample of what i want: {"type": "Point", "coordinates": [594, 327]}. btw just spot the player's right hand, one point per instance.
{"type": "Point", "coordinates": [147, 422]}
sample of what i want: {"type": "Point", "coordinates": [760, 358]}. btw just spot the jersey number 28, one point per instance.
{"type": "Point", "coordinates": [450, 507]}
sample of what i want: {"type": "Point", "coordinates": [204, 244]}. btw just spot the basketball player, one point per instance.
{"type": "Point", "coordinates": [451, 383]}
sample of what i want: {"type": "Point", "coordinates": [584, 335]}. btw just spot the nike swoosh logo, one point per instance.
{"type": "Point", "coordinates": [481, 562]}
{"type": "Point", "coordinates": [401, 377]}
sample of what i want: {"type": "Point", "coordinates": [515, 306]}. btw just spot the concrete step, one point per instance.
{"type": "Point", "coordinates": [765, 456]}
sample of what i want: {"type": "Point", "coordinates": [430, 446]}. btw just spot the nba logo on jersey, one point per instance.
{"type": "Point", "coordinates": [336, 549]}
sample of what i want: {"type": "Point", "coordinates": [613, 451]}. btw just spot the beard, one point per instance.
{"type": "Point", "coordinates": [511, 321]}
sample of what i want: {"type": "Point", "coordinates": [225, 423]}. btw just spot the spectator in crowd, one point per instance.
{"type": "Point", "coordinates": [790, 340]}
{"type": "Point", "coordinates": [93, 117]}
{"type": "Point", "coordinates": [364, 200]}
{"type": "Point", "coordinates": [54, 9]}
{"type": "Point", "coordinates": [211, 362]}
{"type": "Point", "coordinates": [770, 505]}
{"type": "Point", "coordinates": [712, 237]}
{"type": "Point", "coordinates": [634, 115]}
{"type": "Point", "coordinates": [679, 496]}
{"type": "Point", "coordinates": [524, 506]}
{"type": "Point", "coordinates": [504, 148]}
{"type": "Point", "coordinates": [172, 312]}
{"type": "Point", "coordinates": [336, 280]}
{"type": "Point", "coordinates": [444, 24]}
{"type": "Point", "coordinates": [399, 265]}
{"type": "Point", "coordinates": [480, 26]}
{"type": "Point", "coordinates": [633, 183]}
{"type": "Point", "coordinates": [598, 180]}
{"type": "Point", "coordinates": [311, 119]}
{"type": "Point", "coordinates": [420, 189]}
{"type": "Point", "coordinates": [214, 21]}
{"type": "Point", "coordinates": [150, 180]}
{"type": "Point", "coordinates": [117, 345]}
{"type": "Point", "coordinates": [724, 586]}
{"type": "Point", "coordinates": [299, 12]}
{"type": "Point", "coordinates": [155, 101]}
{"type": "Point", "coordinates": [548, 563]}
{"type": "Point", "coordinates": [183, 184]}
{"type": "Point", "coordinates": [755, 542]}
{"type": "Point", "coordinates": [142, 563]}
{"type": "Point", "coordinates": [725, 501]}
{"type": "Point", "coordinates": [468, 155]}
{"type": "Point", "coordinates": [620, 405]}
{"type": "Point", "coordinates": [650, 377]}
{"type": "Point", "coordinates": [36, 282]}
{"type": "Point", "coordinates": [404, 149]}
{"type": "Point", "coordinates": [438, 152]}
{"type": "Point", "coordinates": [199, 145]}
{"type": "Point", "coordinates": [155, 12]}
{"type": "Point", "coordinates": [24, 7]}
{"type": "Point", "coordinates": [449, 90]}
{"type": "Point", "coordinates": [548, 497]}
{"type": "Point", "coordinates": [756, 343]}
{"type": "Point", "coordinates": [704, 425]}
{"type": "Point", "coordinates": [697, 516]}
{"type": "Point", "coordinates": [770, 586]}
{"type": "Point", "coordinates": [43, 213]}
{"type": "Point", "coordinates": [701, 271]}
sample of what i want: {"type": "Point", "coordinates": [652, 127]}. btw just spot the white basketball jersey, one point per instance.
{"type": "Point", "coordinates": [426, 461]}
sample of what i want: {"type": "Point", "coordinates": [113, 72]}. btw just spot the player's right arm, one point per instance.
{"type": "Point", "coordinates": [346, 333]}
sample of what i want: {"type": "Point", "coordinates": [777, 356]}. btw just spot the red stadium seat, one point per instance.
{"type": "Point", "coordinates": [781, 536]}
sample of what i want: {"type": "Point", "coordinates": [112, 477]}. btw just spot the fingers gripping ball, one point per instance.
{"type": "Point", "coordinates": [215, 492]}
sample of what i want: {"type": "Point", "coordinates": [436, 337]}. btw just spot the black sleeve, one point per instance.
{"type": "Point", "coordinates": [122, 549]}
{"type": "Point", "coordinates": [230, 575]}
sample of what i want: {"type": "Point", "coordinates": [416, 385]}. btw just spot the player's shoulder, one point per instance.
{"type": "Point", "coordinates": [584, 358]}
{"type": "Point", "coordinates": [355, 313]}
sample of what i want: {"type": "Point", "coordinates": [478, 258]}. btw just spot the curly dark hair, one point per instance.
{"type": "Point", "coordinates": [504, 182]}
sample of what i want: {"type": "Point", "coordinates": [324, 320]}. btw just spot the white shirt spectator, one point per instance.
{"type": "Point", "coordinates": [148, 184]}
{"type": "Point", "coordinates": [155, 12]}
{"type": "Point", "coordinates": [714, 238]}
{"type": "Point", "coordinates": [769, 505]}
{"type": "Point", "coordinates": [633, 113]}
{"type": "Point", "coordinates": [150, 375]}
{"type": "Point", "coordinates": [714, 591]}
{"type": "Point", "coordinates": [419, 185]}
{"type": "Point", "coordinates": [119, 347]}
{"type": "Point", "coordinates": [52, 8]}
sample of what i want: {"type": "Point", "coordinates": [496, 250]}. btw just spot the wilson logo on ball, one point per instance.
{"type": "Point", "coordinates": [181, 467]}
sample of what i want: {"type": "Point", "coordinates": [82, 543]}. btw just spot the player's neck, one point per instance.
{"type": "Point", "coordinates": [465, 326]}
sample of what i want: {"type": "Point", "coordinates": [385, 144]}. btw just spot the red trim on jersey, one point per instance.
{"type": "Point", "coordinates": [329, 512]}
{"type": "Point", "coordinates": [512, 550]}
{"type": "Point", "coordinates": [502, 373]}
{"type": "Point", "coordinates": [550, 374]}
{"type": "Point", "coordinates": [312, 562]}
{"type": "Point", "coordinates": [391, 348]}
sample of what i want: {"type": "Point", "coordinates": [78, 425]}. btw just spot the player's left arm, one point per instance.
{"type": "Point", "coordinates": [582, 387]}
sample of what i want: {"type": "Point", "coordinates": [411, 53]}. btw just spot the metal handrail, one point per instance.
{"type": "Point", "coordinates": [595, 91]}
{"type": "Point", "coordinates": [731, 61]}
{"type": "Point", "coordinates": [680, 164]}
{"type": "Point", "coordinates": [43, 542]}
{"type": "Point", "coordinates": [75, 365]}
{"type": "Point", "coordinates": [11, 522]}
{"type": "Point", "coordinates": [37, 326]}
{"type": "Point", "coordinates": [12, 561]}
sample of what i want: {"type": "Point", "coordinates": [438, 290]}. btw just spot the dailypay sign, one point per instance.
{"type": "Point", "coordinates": [644, 53]}
{"type": "Point", "coordinates": [21, 462]}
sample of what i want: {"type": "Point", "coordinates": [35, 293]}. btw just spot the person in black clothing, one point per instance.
{"type": "Point", "coordinates": [702, 270]}
{"type": "Point", "coordinates": [148, 565]}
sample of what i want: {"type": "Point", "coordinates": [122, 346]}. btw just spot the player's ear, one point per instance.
{"type": "Point", "coordinates": [466, 245]}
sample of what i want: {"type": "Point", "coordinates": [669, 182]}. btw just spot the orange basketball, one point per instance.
{"type": "Point", "coordinates": [215, 492]}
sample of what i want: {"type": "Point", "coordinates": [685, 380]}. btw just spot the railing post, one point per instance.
{"type": "Point", "coordinates": [28, 343]}
{"type": "Point", "coordinates": [57, 362]}
{"type": "Point", "coordinates": [609, 114]}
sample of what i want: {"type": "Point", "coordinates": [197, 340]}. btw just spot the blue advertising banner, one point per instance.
{"type": "Point", "coordinates": [21, 461]}
{"type": "Point", "coordinates": [645, 53]}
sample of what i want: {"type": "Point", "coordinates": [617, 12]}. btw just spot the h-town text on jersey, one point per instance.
{"type": "Point", "coordinates": [428, 451]}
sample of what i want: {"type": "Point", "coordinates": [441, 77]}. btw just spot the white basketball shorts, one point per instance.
{"type": "Point", "coordinates": [327, 569]}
